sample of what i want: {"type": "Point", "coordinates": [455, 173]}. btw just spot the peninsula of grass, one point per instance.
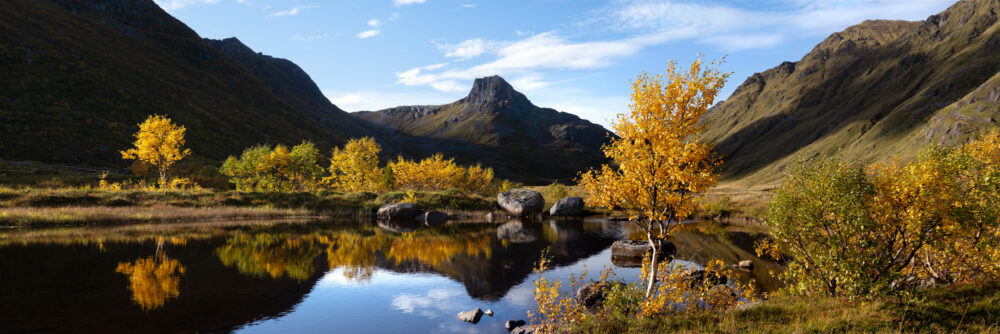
{"type": "Point", "coordinates": [71, 206]}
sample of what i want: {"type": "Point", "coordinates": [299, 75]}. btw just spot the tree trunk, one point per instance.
{"type": "Point", "coordinates": [653, 264]}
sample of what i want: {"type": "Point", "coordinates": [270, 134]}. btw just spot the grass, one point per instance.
{"type": "Point", "coordinates": [74, 215]}
{"type": "Point", "coordinates": [960, 308]}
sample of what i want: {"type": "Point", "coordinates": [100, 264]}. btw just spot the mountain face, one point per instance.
{"type": "Point", "coordinates": [511, 133]}
{"type": "Point", "coordinates": [80, 74]}
{"type": "Point", "coordinates": [873, 92]}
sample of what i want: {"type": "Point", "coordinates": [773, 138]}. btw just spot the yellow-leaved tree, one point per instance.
{"type": "Point", "coordinates": [355, 167]}
{"type": "Point", "coordinates": [659, 165]}
{"type": "Point", "coordinates": [160, 143]}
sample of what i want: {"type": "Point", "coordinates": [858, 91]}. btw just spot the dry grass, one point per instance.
{"type": "Point", "coordinates": [76, 215]}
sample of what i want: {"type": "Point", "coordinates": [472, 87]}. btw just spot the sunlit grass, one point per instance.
{"type": "Point", "coordinates": [133, 214]}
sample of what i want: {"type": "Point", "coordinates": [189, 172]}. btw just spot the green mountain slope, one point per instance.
{"type": "Point", "coordinates": [510, 132]}
{"type": "Point", "coordinates": [79, 74]}
{"type": "Point", "coordinates": [873, 92]}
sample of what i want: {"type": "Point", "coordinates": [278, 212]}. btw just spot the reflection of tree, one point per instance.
{"type": "Point", "coordinates": [153, 280]}
{"type": "Point", "coordinates": [271, 255]}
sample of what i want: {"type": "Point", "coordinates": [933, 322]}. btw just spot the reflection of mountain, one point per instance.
{"type": "Point", "coordinates": [70, 288]}
{"type": "Point", "coordinates": [510, 263]}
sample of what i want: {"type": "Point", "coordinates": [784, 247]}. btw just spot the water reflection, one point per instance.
{"type": "Point", "coordinates": [223, 276]}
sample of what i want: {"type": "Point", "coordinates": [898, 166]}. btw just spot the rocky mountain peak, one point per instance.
{"type": "Point", "coordinates": [493, 89]}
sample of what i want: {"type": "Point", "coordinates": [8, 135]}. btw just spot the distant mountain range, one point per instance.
{"type": "Point", "coordinates": [876, 91]}
{"type": "Point", "coordinates": [79, 74]}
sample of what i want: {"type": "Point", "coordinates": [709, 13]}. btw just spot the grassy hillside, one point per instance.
{"type": "Point", "coordinates": [875, 91]}
{"type": "Point", "coordinates": [79, 75]}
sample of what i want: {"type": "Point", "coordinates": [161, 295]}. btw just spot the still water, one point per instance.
{"type": "Point", "coordinates": [315, 276]}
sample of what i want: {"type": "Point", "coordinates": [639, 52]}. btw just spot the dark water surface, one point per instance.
{"type": "Point", "coordinates": [304, 277]}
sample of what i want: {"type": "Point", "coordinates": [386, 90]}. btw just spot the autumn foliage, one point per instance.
{"type": "Point", "coordinates": [160, 143]}
{"type": "Point", "coordinates": [862, 232]}
{"type": "Point", "coordinates": [355, 167]}
{"type": "Point", "coordinates": [659, 165]}
{"type": "Point", "coordinates": [263, 168]}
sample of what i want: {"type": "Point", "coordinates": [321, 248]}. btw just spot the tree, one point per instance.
{"type": "Point", "coordinates": [659, 165]}
{"type": "Point", "coordinates": [355, 167]}
{"type": "Point", "coordinates": [261, 168]}
{"type": "Point", "coordinates": [160, 143]}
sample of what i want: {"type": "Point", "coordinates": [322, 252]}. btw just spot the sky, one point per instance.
{"type": "Point", "coordinates": [577, 56]}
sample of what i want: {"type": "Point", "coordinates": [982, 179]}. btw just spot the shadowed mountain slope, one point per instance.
{"type": "Point", "coordinates": [513, 133]}
{"type": "Point", "coordinates": [79, 75]}
{"type": "Point", "coordinates": [875, 91]}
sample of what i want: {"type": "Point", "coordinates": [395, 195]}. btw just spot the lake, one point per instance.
{"type": "Point", "coordinates": [312, 276]}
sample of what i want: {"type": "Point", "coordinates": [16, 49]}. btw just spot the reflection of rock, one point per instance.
{"type": "Point", "coordinates": [433, 218]}
{"type": "Point", "coordinates": [471, 316]}
{"type": "Point", "coordinates": [398, 211]}
{"type": "Point", "coordinates": [569, 206]}
{"type": "Point", "coordinates": [511, 324]}
{"type": "Point", "coordinates": [521, 202]}
{"type": "Point", "coordinates": [398, 226]}
{"type": "Point", "coordinates": [592, 294]}
{"type": "Point", "coordinates": [490, 216]}
{"type": "Point", "coordinates": [515, 232]}
{"type": "Point", "coordinates": [559, 230]}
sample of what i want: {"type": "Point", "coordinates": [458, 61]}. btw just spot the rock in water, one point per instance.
{"type": "Point", "coordinates": [489, 312]}
{"type": "Point", "coordinates": [745, 265]}
{"type": "Point", "coordinates": [399, 211]}
{"type": "Point", "coordinates": [435, 218]}
{"type": "Point", "coordinates": [489, 217]}
{"type": "Point", "coordinates": [521, 202]}
{"type": "Point", "coordinates": [569, 206]}
{"type": "Point", "coordinates": [638, 249]}
{"type": "Point", "coordinates": [592, 294]}
{"type": "Point", "coordinates": [526, 329]}
{"type": "Point", "coordinates": [471, 316]}
{"type": "Point", "coordinates": [511, 324]}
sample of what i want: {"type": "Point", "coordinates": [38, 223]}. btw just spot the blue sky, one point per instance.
{"type": "Point", "coordinates": [577, 56]}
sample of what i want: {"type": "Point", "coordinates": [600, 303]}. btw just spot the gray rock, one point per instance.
{"type": "Point", "coordinates": [471, 316]}
{"type": "Point", "coordinates": [398, 211]}
{"type": "Point", "coordinates": [592, 294]}
{"type": "Point", "coordinates": [521, 202]}
{"type": "Point", "coordinates": [490, 217]}
{"type": "Point", "coordinates": [489, 312]}
{"type": "Point", "coordinates": [526, 329]}
{"type": "Point", "coordinates": [511, 324]}
{"type": "Point", "coordinates": [515, 232]}
{"type": "Point", "coordinates": [638, 249]}
{"type": "Point", "coordinates": [569, 206]}
{"type": "Point", "coordinates": [435, 218]}
{"type": "Point", "coordinates": [745, 265]}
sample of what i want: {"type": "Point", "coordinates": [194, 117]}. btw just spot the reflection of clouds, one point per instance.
{"type": "Point", "coordinates": [435, 302]}
{"type": "Point", "coordinates": [523, 295]}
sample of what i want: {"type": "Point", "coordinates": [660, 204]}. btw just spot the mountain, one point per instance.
{"type": "Point", "coordinates": [511, 133]}
{"type": "Point", "coordinates": [80, 74]}
{"type": "Point", "coordinates": [873, 92]}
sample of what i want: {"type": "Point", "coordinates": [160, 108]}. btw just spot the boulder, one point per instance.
{"type": "Point", "coordinates": [569, 206]}
{"type": "Point", "coordinates": [521, 202]}
{"type": "Point", "coordinates": [592, 294]}
{"type": "Point", "coordinates": [633, 249]}
{"type": "Point", "coordinates": [525, 329]}
{"type": "Point", "coordinates": [511, 324]}
{"type": "Point", "coordinates": [435, 218]}
{"type": "Point", "coordinates": [471, 316]}
{"type": "Point", "coordinates": [515, 232]}
{"type": "Point", "coordinates": [398, 211]}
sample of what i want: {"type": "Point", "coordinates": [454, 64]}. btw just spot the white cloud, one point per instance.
{"type": "Point", "coordinates": [368, 33]}
{"type": "Point", "coordinates": [374, 23]}
{"type": "Point", "coordinates": [299, 37]}
{"type": "Point", "coordinates": [378, 100]}
{"type": "Point", "coordinates": [407, 2]}
{"type": "Point", "coordinates": [291, 11]}
{"type": "Point", "coordinates": [431, 304]}
{"type": "Point", "coordinates": [178, 4]}
{"type": "Point", "coordinates": [467, 49]}
{"type": "Point", "coordinates": [470, 5]}
{"type": "Point", "coordinates": [738, 42]}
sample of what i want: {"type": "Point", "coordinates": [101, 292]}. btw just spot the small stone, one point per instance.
{"type": "Point", "coordinates": [511, 324]}
{"type": "Point", "coordinates": [745, 264]}
{"type": "Point", "coordinates": [489, 312]}
{"type": "Point", "coordinates": [526, 329]}
{"type": "Point", "coordinates": [471, 316]}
